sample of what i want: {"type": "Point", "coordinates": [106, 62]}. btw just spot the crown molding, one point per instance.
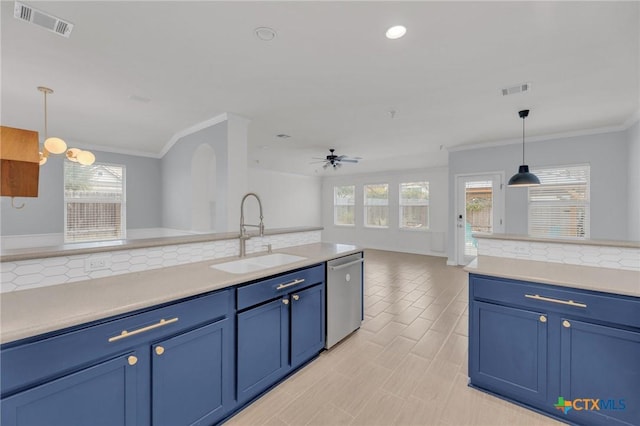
{"type": "Point", "coordinates": [193, 129]}
{"type": "Point", "coordinates": [585, 132]}
{"type": "Point", "coordinates": [112, 149]}
{"type": "Point", "coordinates": [633, 119]}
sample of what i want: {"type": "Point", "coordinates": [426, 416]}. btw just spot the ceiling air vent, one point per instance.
{"type": "Point", "coordinates": [520, 88]}
{"type": "Point", "coordinates": [42, 19]}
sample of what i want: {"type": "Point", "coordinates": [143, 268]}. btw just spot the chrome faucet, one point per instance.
{"type": "Point", "coordinates": [243, 226]}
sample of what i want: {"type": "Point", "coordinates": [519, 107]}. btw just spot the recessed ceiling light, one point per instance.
{"type": "Point", "coordinates": [265, 33]}
{"type": "Point", "coordinates": [396, 32]}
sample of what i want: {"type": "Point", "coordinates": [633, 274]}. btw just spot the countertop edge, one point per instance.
{"type": "Point", "coordinates": [518, 237]}
{"type": "Point", "coordinates": [15, 255]}
{"type": "Point", "coordinates": [322, 252]}
{"type": "Point", "coordinates": [621, 282]}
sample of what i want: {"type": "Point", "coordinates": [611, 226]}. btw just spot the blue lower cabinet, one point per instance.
{"type": "Point", "coordinates": [192, 376]}
{"type": "Point", "coordinates": [600, 373]}
{"type": "Point", "coordinates": [263, 347]}
{"type": "Point", "coordinates": [101, 395]}
{"type": "Point", "coordinates": [277, 335]}
{"type": "Point", "coordinates": [573, 354]}
{"type": "Point", "coordinates": [307, 324]}
{"type": "Point", "coordinates": [508, 351]}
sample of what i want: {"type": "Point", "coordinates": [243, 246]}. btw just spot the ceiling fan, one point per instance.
{"type": "Point", "coordinates": [335, 161]}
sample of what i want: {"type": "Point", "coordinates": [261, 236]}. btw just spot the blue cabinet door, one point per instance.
{"type": "Point", "coordinates": [508, 351]}
{"type": "Point", "coordinates": [102, 395]}
{"type": "Point", "coordinates": [602, 363]}
{"type": "Point", "coordinates": [263, 347]}
{"type": "Point", "coordinates": [307, 324]}
{"type": "Point", "coordinates": [192, 380]}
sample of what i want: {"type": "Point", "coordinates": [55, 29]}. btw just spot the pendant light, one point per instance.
{"type": "Point", "coordinates": [523, 177]}
{"type": "Point", "coordinates": [57, 145]}
{"type": "Point", "coordinates": [51, 145]}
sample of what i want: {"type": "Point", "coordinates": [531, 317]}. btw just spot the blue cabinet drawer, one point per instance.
{"type": "Point", "coordinates": [622, 310]}
{"type": "Point", "coordinates": [26, 364]}
{"type": "Point", "coordinates": [262, 291]}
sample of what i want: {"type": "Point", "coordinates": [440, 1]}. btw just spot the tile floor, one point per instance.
{"type": "Point", "coordinates": [407, 365]}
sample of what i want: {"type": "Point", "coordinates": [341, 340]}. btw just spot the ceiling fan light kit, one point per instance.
{"type": "Point", "coordinates": [335, 161]}
{"type": "Point", "coordinates": [523, 177]}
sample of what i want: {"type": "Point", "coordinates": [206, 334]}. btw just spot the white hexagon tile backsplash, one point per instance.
{"type": "Point", "coordinates": [33, 273]}
{"type": "Point", "coordinates": [627, 258]}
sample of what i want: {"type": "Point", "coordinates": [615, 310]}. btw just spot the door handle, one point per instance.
{"type": "Point", "coordinates": [552, 300]}
{"type": "Point", "coordinates": [292, 283]}
{"type": "Point", "coordinates": [346, 265]}
{"type": "Point", "coordinates": [126, 333]}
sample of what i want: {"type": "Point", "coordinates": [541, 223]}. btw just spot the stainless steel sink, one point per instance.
{"type": "Point", "coordinates": [253, 264]}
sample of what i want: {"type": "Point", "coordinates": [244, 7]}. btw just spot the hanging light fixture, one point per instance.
{"type": "Point", "coordinates": [58, 146]}
{"type": "Point", "coordinates": [523, 177]}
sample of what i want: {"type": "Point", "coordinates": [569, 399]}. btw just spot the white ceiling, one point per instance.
{"type": "Point", "coordinates": [330, 77]}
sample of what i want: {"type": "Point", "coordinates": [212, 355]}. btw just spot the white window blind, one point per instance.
{"type": "Point", "coordinates": [559, 207]}
{"type": "Point", "coordinates": [414, 206]}
{"type": "Point", "coordinates": [376, 205]}
{"type": "Point", "coordinates": [344, 205]}
{"type": "Point", "coordinates": [94, 202]}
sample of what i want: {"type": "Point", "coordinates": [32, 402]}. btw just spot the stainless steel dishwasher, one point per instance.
{"type": "Point", "coordinates": [344, 297]}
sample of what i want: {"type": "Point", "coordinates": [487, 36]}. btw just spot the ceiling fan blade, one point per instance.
{"type": "Point", "coordinates": [318, 158]}
{"type": "Point", "coordinates": [317, 162]}
{"type": "Point", "coordinates": [348, 160]}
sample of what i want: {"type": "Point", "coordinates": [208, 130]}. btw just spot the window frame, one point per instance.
{"type": "Point", "coordinates": [365, 206]}
{"type": "Point", "coordinates": [586, 203]}
{"type": "Point", "coordinates": [123, 204]}
{"type": "Point", "coordinates": [335, 206]}
{"type": "Point", "coordinates": [401, 206]}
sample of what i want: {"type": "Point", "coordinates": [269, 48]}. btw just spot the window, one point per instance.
{"type": "Point", "coordinates": [559, 207]}
{"type": "Point", "coordinates": [344, 205]}
{"type": "Point", "coordinates": [414, 206]}
{"type": "Point", "coordinates": [376, 205]}
{"type": "Point", "coordinates": [94, 198]}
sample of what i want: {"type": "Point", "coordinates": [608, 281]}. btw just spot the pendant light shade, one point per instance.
{"type": "Point", "coordinates": [523, 177]}
{"type": "Point", "coordinates": [55, 145]}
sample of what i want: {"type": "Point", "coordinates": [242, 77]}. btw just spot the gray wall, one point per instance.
{"type": "Point", "coordinates": [606, 153]}
{"type": "Point", "coordinates": [176, 176]}
{"type": "Point", "coordinates": [634, 182]}
{"type": "Point", "coordinates": [431, 242]}
{"type": "Point", "coordinates": [45, 214]}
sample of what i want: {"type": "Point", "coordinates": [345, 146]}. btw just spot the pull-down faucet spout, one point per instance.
{"type": "Point", "coordinates": [243, 226]}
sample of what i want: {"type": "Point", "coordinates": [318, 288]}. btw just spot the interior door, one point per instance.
{"type": "Point", "coordinates": [479, 208]}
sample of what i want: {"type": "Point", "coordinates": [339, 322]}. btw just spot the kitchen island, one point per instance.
{"type": "Point", "coordinates": [559, 337]}
{"type": "Point", "coordinates": [189, 344]}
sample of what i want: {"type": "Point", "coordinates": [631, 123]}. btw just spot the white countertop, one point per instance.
{"type": "Point", "coordinates": [616, 281]}
{"type": "Point", "coordinates": [29, 313]}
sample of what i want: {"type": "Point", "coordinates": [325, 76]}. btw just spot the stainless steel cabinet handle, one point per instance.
{"type": "Point", "coordinates": [346, 265]}
{"type": "Point", "coordinates": [291, 284]}
{"type": "Point", "coordinates": [126, 333]}
{"type": "Point", "coordinates": [549, 299]}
